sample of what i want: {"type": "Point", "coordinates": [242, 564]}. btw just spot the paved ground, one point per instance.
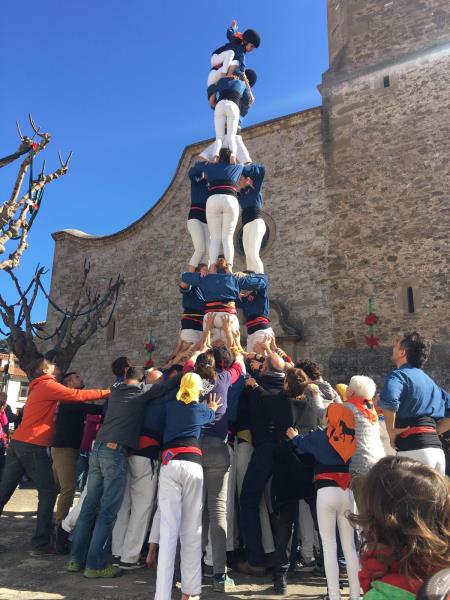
{"type": "Point", "coordinates": [23, 577]}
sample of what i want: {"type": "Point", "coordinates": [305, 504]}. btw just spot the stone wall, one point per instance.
{"type": "Point", "coordinates": [387, 156]}
{"type": "Point", "coordinates": [152, 252]}
{"type": "Point", "coordinates": [364, 33]}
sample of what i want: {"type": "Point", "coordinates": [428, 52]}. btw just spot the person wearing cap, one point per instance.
{"type": "Point", "coordinates": [231, 56]}
{"type": "Point", "coordinates": [181, 488]}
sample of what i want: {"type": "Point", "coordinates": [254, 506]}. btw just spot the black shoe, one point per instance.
{"type": "Point", "coordinates": [61, 541]}
{"type": "Point", "coordinates": [43, 551]}
{"type": "Point", "coordinates": [280, 583]}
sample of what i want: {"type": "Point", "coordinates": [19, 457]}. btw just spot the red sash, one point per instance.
{"type": "Point", "coordinates": [416, 430]}
{"type": "Point", "coordinates": [170, 453]}
{"type": "Point", "coordinates": [257, 321]}
{"type": "Point", "coordinates": [146, 441]}
{"type": "Point", "coordinates": [342, 479]}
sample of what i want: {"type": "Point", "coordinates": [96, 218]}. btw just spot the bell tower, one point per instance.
{"type": "Point", "coordinates": [365, 33]}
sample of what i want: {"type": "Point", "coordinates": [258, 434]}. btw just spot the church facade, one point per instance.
{"type": "Point", "coordinates": [356, 201]}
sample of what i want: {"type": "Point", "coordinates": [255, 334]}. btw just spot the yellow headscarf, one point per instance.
{"type": "Point", "coordinates": [341, 389]}
{"type": "Point", "coordinates": [190, 388]}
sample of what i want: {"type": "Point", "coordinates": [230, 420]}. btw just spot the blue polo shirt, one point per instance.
{"type": "Point", "coordinates": [223, 287]}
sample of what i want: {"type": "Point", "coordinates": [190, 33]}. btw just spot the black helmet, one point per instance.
{"type": "Point", "coordinates": [250, 36]}
{"type": "Point", "coordinates": [251, 76]}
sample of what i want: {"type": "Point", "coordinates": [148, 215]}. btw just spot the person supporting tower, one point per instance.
{"type": "Point", "coordinates": [254, 228]}
{"type": "Point", "coordinates": [193, 311]}
{"type": "Point", "coordinates": [255, 306]}
{"type": "Point", "coordinates": [196, 224]}
{"type": "Point", "coordinates": [222, 206]}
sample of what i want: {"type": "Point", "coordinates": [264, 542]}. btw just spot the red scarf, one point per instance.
{"type": "Point", "coordinates": [365, 407]}
{"type": "Point", "coordinates": [372, 569]}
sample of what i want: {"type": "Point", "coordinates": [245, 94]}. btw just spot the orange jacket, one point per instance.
{"type": "Point", "coordinates": [38, 420]}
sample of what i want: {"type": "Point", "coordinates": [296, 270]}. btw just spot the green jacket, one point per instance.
{"type": "Point", "coordinates": [386, 591]}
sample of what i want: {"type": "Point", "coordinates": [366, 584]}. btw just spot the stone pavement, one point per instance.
{"type": "Point", "coordinates": [23, 577]}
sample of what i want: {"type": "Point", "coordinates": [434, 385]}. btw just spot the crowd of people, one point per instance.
{"type": "Point", "coordinates": [231, 460]}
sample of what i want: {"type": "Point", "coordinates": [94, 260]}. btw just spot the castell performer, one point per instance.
{"type": "Point", "coordinates": [196, 224]}
{"type": "Point", "coordinates": [231, 56]}
{"type": "Point", "coordinates": [255, 306]}
{"type": "Point", "coordinates": [193, 302]}
{"type": "Point", "coordinates": [254, 228]}
{"type": "Point", "coordinates": [222, 206]}
{"type": "Point", "coordinates": [242, 154]}
{"type": "Point", "coordinates": [221, 291]}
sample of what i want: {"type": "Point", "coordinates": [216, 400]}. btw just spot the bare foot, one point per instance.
{"type": "Point", "coordinates": [232, 160]}
{"type": "Point", "coordinates": [215, 159]}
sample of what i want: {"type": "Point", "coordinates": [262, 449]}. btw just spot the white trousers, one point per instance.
{"type": "Point", "coordinates": [433, 457]}
{"type": "Point", "coordinates": [226, 118]}
{"type": "Point", "coordinates": [244, 452]}
{"type": "Point", "coordinates": [191, 336]}
{"type": "Point", "coordinates": [332, 505]}
{"type": "Point", "coordinates": [68, 524]}
{"type": "Point", "coordinates": [242, 154]}
{"type": "Point", "coordinates": [199, 233]}
{"type": "Point", "coordinates": [226, 59]}
{"type": "Point", "coordinates": [217, 333]}
{"type": "Point", "coordinates": [252, 237]}
{"type": "Point", "coordinates": [222, 213]}
{"type": "Point", "coordinates": [180, 499]}
{"type": "Point", "coordinates": [133, 517]}
{"type": "Point", "coordinates": [259, 336]}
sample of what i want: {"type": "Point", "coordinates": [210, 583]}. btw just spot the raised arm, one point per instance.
{"type": "Point", "coordinates": [60, 393]}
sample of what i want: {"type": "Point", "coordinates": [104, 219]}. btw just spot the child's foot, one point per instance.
{"type": "Point", "coordinates": [232, 160]}
{"type": "Point", "coordinates": [215, 159]}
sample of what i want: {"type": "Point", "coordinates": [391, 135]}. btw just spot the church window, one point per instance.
{"type": "Point", "coordinates": [386, 81]}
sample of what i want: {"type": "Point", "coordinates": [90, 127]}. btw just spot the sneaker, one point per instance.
{"type": "Point", "coordinates": [115, 561]}
{"type": "Point", "coordinates": [106, 572]}
{"type": "Point", "coordinates": [43, 551]}
{"type": "Point", "coordinates": [222, 583]}
{"type": "Point", "coordinates": [207, 570]}
{"type": "Point", "coordinates": [305, 566]}
{"type": "Point", "coordinates": [74, 567]}
{"type": "Point", "coordinates": [131, 566]}
{"type": "Point", "coordinates": [244, 566]}
{"type": "Point", "coordinates": [280, 583]}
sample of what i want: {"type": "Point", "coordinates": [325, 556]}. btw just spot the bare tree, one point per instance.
{"type": "Point", "coordinates": [18, 212]}
{"type": "Point", "coordinates": [89, 311]}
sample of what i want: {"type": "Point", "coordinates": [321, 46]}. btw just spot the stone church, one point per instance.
{"type": "Point", "coordinates": [357, 211]}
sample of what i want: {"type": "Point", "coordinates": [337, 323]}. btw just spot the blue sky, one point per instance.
{"type": "Point", "coordinates": [123, 85]}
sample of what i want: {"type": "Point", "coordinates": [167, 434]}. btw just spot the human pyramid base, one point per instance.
{"type": "Point", "coordinates": [230, 460]}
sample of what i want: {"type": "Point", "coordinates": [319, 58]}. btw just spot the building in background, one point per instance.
{"type": "Point", "coordinates": [356, 199]}
{"type": "Point", "coordinates": [14, 381]}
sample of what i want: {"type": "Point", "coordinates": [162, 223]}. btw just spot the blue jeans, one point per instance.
{"type": "Point", "coordinates": [108, 470]}
{"type": "Point", "coordinates": [259, 470]}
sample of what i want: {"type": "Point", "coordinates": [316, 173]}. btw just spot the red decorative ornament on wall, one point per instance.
{"type": "Point", "coordinates": [371, 320]}
{"type": "Point", "coordinates": [149, 348]}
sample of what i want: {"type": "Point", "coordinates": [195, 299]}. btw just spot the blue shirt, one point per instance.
{"type": "Point", "coordinates": [192, 298]}
{"type": "Point", "coordinates": [236, 86]}
{"type": "Point", "coordinates": [410, 392]}
{"type": "Point", "coordinates": [317, 444]}
{"type": "Point", "coordinates": [199, 185]}
{"type": "Point", "coordinates": [238, 48]}
{"type": "Point", "coordinates": [251, 196]}
{"type": "Point", "coordinates": [223, 287]}
{"type": "Point", "coordinates": [185, 420]}
{"type": "Point", "coordinates": [257, 303]}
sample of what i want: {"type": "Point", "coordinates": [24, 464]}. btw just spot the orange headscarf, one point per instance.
{"type": "Point", "coordinates": [365, 407]}
{"type": "Point", "coordinates": [341, 430]}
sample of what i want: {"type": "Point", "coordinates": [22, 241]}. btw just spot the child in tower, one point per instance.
{"type": "Point", "coordinates": [231, 57]}
{"type": "Point", "coordinates": [196, 224]}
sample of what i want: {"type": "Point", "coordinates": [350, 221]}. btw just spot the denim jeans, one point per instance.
{"type": "Point", "coordinates": [259, 470]}
{"type": "Point", "coordinates": [35, 461]}
{"type": "Point", "coordinates": [108, 470]}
